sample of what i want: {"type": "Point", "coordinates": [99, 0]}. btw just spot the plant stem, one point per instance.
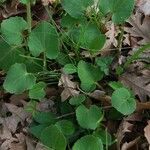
{"type": "Point", "coordinates": [120, 40]}
{"type": "Point", "coordinates": [44, 62]}
{"type": "Point", "coordinates": [136, 55]}
{"type": "Point", "coordinates": [29, 18]}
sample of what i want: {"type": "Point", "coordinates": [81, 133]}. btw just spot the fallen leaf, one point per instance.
{"type": "Point", "coordinates": [69, 87]}
{"type": "Point", "coordinates": [139, 28]}
{"type": "Point", "coordinates": [139, 84]}
{"type": "Point", "coordinates": [125, 127]}
{"type": "Point", "coordinates": [144, 6]}
{"type": "Point", "coordinates": [18, 115]}
{"type": "Point", "coordinates": [129, 145]}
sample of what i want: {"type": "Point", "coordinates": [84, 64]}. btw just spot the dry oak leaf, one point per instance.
{"type": "Point", "coordinates": [139, 28]}
{"type": "Point", "coordinates": [18, 115]}
{"type": "Point", "coordinates": [140, 85]}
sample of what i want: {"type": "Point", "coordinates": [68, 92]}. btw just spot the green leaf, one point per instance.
{"type": "Point", "coordinates": [44, 38]}
{"type": "Point", "coordinates": [66, 127]}
{"type": "Point", "coordinates": [38, 91]}
{"type": "Point", "coordinates": [104, 6]}
{"type": "Point", "coordinates": [123, 101]}
{"type": "Point", "coordinates": [115, 85]}
{"type": "Point", "coordinates": [24, 1]}
{"type": "Point", "coordinates": [88, 142]}
{"type": "Point", "coordinates": [121, 10]}
{"type": "Point", "coordinates": [70, 69]}
{"type": "Point", "coordinates": [18, 79]}
{"type": "Point", "coordinates": [63, 59]}
{"type": "Point", "coordinates": [9, 55]}
{"type": "Point", "coordinates": [33, 66]}
{"type": "Point", "coordinates": [104, 63]}
{"type": "Point", "coordinates": [68, 22]}
{"type": "Point", "coordinates": [94, 42]}
{"type": "Point", "coordinates": [12, 29]}
{"type": "Point", "coordinates": [53, 138]}
{"type": "Point", "coordinates": [88, 75]}
{"type": "Point", "coordinates": [37, 130]}
{"type": "Point", "coordinates": [104, 136]}
{"type": "Point", "coordinates": [77, 100]}
{"type": "Point", "coordinates": [89, 118]}
{"type": "Point", "coordinates": [44, 117]}
{"type": "Point", "coordinates": [76, 8]}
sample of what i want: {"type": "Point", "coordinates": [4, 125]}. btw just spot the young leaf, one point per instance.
{"type": "Point", "coordinates": [37, 91]}
{"type": "Point", "coordinates": [88, 142]}
{"type": "Point", "coordinates": [88, 75]}
{"type": "Point", "coordinates": [77, 100]}
{"type": "Point", "coordinates": [76, 8]}
{"type": "Point", "coordinates": [12, 29]}
{"type": "Point", "coordinates": [44, 38]}
{"type": "Point", "coordinates": [123, 101]}
{"type": "Point", "coordinates": [53, 138]}
{"type": "Point", "coordinates": [89, 118]}
{"type": "Point", "coordinates": [121, 10]}
{"type": "Point", "coordinates": [66, 127]}
{"type": "Point", "coordinates": [9, 55]}
{"type": "Point", "coordinates": [44, 118]}
{"type": "Point", "coordinates": [94, 42]}
{"type": "Point", "coordinates": [104, 63]}
{"type": "Point", "coordinates": [70, 69]}
{"type": "Point", "coordinates": [18, 79]}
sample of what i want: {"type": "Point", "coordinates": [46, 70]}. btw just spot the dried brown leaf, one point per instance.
{"type": "Point", "coordinates": [140, 27]}
{"type": "Point", "coordinates": [147, 132]}
{"type": "Point", "coordinates": [139, 84]}
{"type": "Point", "coordinates": [70, 87]}
{"type": "Point", "coordinates": [144, 6]}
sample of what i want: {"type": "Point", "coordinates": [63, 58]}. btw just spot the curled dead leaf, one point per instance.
{"type": "Point", "coordinates": [70, 87]}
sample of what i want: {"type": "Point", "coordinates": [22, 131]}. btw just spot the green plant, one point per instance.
{"type": "Point", "coordinates": [27, 55]}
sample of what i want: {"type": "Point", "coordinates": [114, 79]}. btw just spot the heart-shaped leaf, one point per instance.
{"type": "Point", "coordinates": [18, 79]}
{"type": "Point", "coordinates": [104, 63]}
{"type": "Point", "coordinates": [53, 138]}
{"type": "Point", "coordinates": [9, 55]}
{"type": "Point", "coordinates": [121, 10]}
{"type": "Point", "coordinates": [12, 29]}
{"type": "Point", "coordinates": [44, 38]}
{"type": "Point", "coordinates": [70, 69]}
{"type": "Point", "coordinates": [88, 75]}
{"type": "Point", "coordinates": [38, 91]}
{"type": "Point", "coordinates": [94, 42]}
{"type": "Point", "coordinates": [76, 8]}
{"type": "Point", "coordinates": [88, 142]}
{"type": "Point", "coordinates": [123, 101]}
{"type": "Point", "coordinates": [89, 118]}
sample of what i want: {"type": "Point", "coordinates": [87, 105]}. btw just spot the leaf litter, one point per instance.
{"type": "Point", "coordinates": [139, 83]}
